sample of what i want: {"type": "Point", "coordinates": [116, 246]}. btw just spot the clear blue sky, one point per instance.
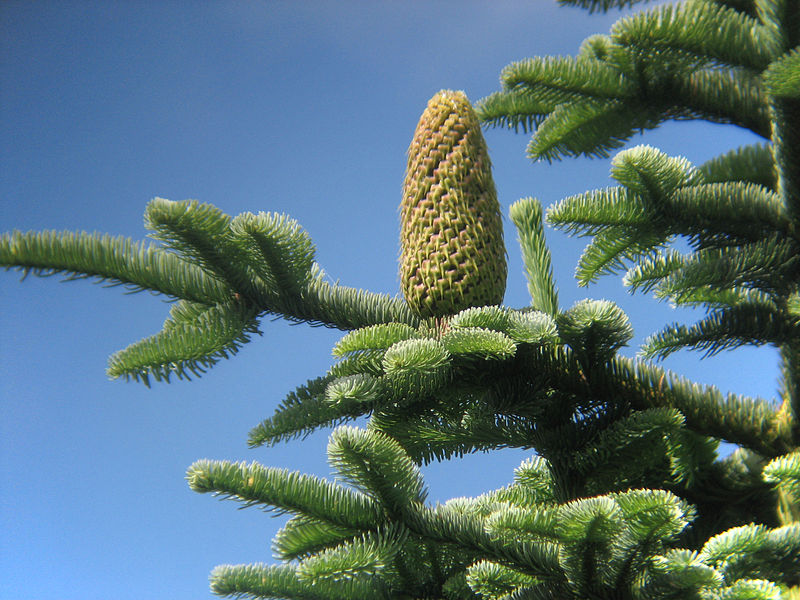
{"type": "Point", "coordinates": [304, 108]}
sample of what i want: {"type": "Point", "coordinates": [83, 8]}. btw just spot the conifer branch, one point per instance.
{"type": "Point", "coordinates": [428, 436]}
{"type": "Point", "coordinates": [698, 33]}
{"type": "Point", "coordinates": [594, 103]}
{"type": "Point", "coordinates": [362, 561]}
{"type": "Point", "coordinates": [591, 212]}
{"type": "Point", "coordinates": [784, 472]}
{"type": "Point", "coordinates": [783, 86]}
{"type": "Point", "coordinates": [117, 260]}
{"type": "Point", "coordinates": [374, 337]}
{"type": "Point", "coordinates": [724, 329]}
{"type": "Point", "coordinates": [594, 330]}
{"type": "Point", "coordinates": [513, 109]}
{"type": "Point", "coordinates": [750, 164]}
{"type": "Point", "coordinates": [184, 348]}
{"type": "Point", "coordinates": [282, 491]}
{"type": "Point", "coordinates": [608, 251]}
{"type": "Point", "coordinates": [754, 551]}
{"type": "Point", "coordinates": [303, 536]}
{"type": "Point", "coordinates": [790, 384]}
{"type": "Point", "coordinates": [782, 18]}
{"type": "Point", "coordinates": [231, 272]}
{"type": "Point", "coordinates": [628, 450]}
{"type": "Point", "coordinates": [588, 528]}
{"type": "Point", "coordinates": [736, 210]}
{"type": "Point", "coordinates": [600, 5]}
{"type": "Point", "coordinates": [556, 80]}
{"type": "Point", "coordinates": [739, 229]}
{"type": "Point", "coordinates": [769, 265]}
{"type": "Point", "coordinates": [200, 233]}
{"type": "Point", "coordinates": [346, 308]}
{"type": "Point", "coordinates": [589, 127]}
{"type": "Point", "coordinates": [449, 526]}
{"type": "Point", "coordinates": [284, 581]}
{"type": "Point", "coordinates": [278, 250]}
{"type": "Point", "coordinates": [478, 344]}
{"type": "Point", "coordinates": [261, 581]}
{"type": "Point", "coordinates": [723, 96]}
{"type": "Point", "coordinates": [376, 465]}
{"type": "Point", "coordinates": [303, 411]}
{"type": "Point", "coordinates": [713, 299]}
{"type": "Point", "coordinates": [510, 522]}
{"type": "Point", "coordinates": [680, 573]}
{"type": "Point", "coordinates": [655, 272]}
{"type": "Point", "coordinates": [495, 581]}
{"type": "Point", "coordinates": [752, 423]}
{"type": "Point", "coordinates": [354, 389]}
{"type": "Point", "coordinates": [527, 216]}
{"type": "Point", "coordinates": [651, 270]}
{"type": "Point", "coordinates": [648, 171]}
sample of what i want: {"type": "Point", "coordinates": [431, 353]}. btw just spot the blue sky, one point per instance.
{"type": "Point", "coordinates": [305, 108]}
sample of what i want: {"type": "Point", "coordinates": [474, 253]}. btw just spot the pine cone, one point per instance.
{"type": "Point", "coordinates": [452, 251]}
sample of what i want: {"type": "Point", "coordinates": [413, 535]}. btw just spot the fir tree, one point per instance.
{"type": "Point", "coordinates": [624, 496]}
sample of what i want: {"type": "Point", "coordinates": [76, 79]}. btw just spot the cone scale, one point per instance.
{"type": "Point", "coordinates": [452, 252]}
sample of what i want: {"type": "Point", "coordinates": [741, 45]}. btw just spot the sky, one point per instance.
{"type": "Point", "coordinates": [303, 108]}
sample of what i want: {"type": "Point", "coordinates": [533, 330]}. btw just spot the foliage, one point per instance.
{"type": "Point", "coordinates": [625, 496]}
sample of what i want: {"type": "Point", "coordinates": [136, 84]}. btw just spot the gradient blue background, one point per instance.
{"type": "Point", "coordinates": [304, 108]}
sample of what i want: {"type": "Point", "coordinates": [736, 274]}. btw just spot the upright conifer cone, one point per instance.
{"type": "Point", "coordinates": [452, 251]}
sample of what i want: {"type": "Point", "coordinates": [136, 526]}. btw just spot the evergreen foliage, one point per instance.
{"type": "Point", "coordinates": [624, 496]}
